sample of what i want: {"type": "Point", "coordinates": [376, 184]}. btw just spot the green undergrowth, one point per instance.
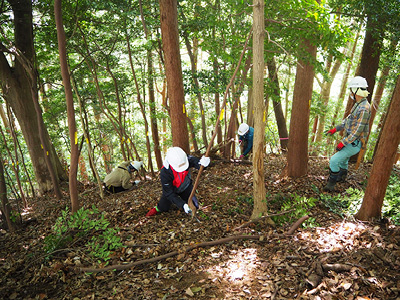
{"type": "Point", "coordinates": [86, 229]}
{"type": "Point", "coordinates": [347, 203]}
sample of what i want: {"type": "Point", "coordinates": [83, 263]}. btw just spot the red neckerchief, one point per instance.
{"type": "Point", "coordinates": [179, 177]}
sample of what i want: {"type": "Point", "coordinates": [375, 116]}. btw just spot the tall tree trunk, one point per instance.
{"type": "Point", "coordinates": [173, 71]}
{"type": "Point", "coordinates": [197, 86]}
{"type": "Point", "coordinates": [16, 86]}
{"type": "Point", "coordinates": [297, 158]}
{"type": "Point", "coordinates": [383, 163]}
{"type": "Point", "coordinates": [152, 100]}
{"type": "Point", "coordinates": [73, 134]}
{"type": "Point", "coordinates": [217, 104]}
{"type": "Point", "coordinates": [260, 205]}
{"type": "Point", "coordinates": [325, 94]}
{"type": "Point", "coordinates": [280, 118]}
{"type": "Point", "coordinates": [84, 123]}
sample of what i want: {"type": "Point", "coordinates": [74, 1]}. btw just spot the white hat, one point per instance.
{"type": "Point", "coordinates": [177, 158]}
{"type": "Point", "coordinates": [358, 82]}
{"type": "Point", "coordinates": [243, 128]}
{"type": "Point", "coordinates": [137, 165]}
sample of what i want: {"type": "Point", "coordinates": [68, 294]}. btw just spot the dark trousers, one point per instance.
{"type": "Point", "coordinates": [114, 189]}
{"type": "Point", "coordinates": [164, 204]}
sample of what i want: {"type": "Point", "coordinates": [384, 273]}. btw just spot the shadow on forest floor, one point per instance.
{"type": "Point", "coordinates": [337, 258]}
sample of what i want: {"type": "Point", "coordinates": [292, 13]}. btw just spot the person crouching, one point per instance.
{"type": "Point", "coordinates": [119, 179]}
{"type": "Point", "coordinates": [176, 180]}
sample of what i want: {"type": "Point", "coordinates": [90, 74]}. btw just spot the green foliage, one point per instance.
{"type": "Point", "coordinates": [345, 204]}
{"type": "Point", "coordinates": [299, 207]}
{"type": "Point", "coordinates": [391, 204]}
{"type": "Point", "coordinates": [84, 224]}
{"type": "Point", "coordinates": [242, 203]}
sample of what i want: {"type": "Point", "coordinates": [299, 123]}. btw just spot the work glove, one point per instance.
{"type": "Point", "coordinates": [137, 182]}
{"type": "Point", "coordinates": [187, 209]}
{"type": "Point", "coordinates": [339, 146]}
{"type": "Point", "coordinates": [331, 132]}
{"type": "Point", "coordinates": [204, 161]}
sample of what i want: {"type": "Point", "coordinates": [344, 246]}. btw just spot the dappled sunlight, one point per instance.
{"type": "Point", "coordinates": [238, 266]}
{"type": "Point", "coordinates": [338, 236]}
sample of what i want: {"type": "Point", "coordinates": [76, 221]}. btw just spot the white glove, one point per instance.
{"type": "Point", "coordinates": [204, 161]}
{"type": "Point", "coordinates": [137, 182]}
{"type": "Point", "coordinates": [187, 209]}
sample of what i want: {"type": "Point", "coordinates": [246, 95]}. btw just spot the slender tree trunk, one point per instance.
{"type": "Point", "coordinates": [197, 87]}
{"type": "Point", "coordinates": [73, 134]}
{"type": "Point", "coordinates": [343, 87]}
{"type": "Point", "coordinates": [280, 118]}
{"type": "Point", "coordinates": [217, 105]}
{"type": "Point", "coordinates": [14, 166]}
{"type": "Point", "coordinates": [5, 205]}
{"type": "Point", "coordinates": [297, 158]}
{"type": "Point", "coordinates": [82, 113]}
{"type": "Point", "coordinates": [152, 100]}
{"type": "Point", "coordinates": [325, 94]}
{"type": "Point", "coordinates": [173, 70]}
{"type": "Point", "coordinates": [260, 205]}
{"type": "Point", "coordinates": [383, 162]}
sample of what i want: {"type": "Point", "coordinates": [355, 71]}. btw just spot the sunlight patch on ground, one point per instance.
{"type": "Point", "coordinates": [238, 267]}
{"type": "Point", "coordinates": [338, 236]}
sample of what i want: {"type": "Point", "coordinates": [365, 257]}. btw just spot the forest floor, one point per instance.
{"type": "Point", "coordinates": [337, 258]}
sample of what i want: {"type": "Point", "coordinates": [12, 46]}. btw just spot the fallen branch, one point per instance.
{"type": "Point", "coordinates": [171, 254]}
{"type": "Point", "coordinates": [263, 217]}
{"type": "Point", "coordinates": [337, 267]}
{"type": "Point", "coordinates": [296, 225]}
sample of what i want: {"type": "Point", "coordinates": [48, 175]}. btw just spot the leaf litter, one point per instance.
{"type": "Point", "coordinates": [338, 258]}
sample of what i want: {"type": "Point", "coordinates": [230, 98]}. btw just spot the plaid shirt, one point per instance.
{"type": "Point", "coordinates": [356, 125]}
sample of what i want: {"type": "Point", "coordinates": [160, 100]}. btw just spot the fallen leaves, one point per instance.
{"type": "Point", "coordinates": [352, 260]}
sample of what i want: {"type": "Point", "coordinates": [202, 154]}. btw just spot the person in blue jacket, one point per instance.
{"type": "Point", "coordinates": [176, 181]}
{"type": "Point", "coordinates": [246, 134]}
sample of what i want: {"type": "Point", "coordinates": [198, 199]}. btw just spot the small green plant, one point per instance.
{"type": "Point", "coordinates": [345, 204]}
{"type": "Point", "coordinates": [299, 207]}
{"type": "Point", "coordinates": [14, 215]}
{"type": "Point", "coordinates": [83, 225]}
{"type": "Point", "coordinates": [391, 203]}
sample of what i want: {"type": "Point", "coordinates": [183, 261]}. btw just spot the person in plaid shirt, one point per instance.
{"type": "Point", "coordinates": [355, 131]}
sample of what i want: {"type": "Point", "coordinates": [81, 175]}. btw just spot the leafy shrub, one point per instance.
{"type": "Point", "coordinates": [299, 207]}
{"type": "Point", "coordinates": [345, 204]}
{"type": "Point", "coordinates": [85, 224]}
{"type": "Point", "coordinates": [391, 204]}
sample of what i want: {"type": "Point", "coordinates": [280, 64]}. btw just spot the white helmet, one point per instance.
{"type": "Point", "coordinates": [243, 128]}
{"type": "Point", "coordinates": [137, 165]}
{"type": "Point", "coordinates": [177, 158]}
{"type": "Point", "coordinates": [358, 82]}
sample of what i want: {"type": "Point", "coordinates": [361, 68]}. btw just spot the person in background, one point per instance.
{"type": "Point", "coordinates": [176, 181]}
{"type": "Point", "coordinates": [356, 128]}
{"type": "Point", "coordinates": [119, 179]}
{"type": "Point", "coordinates": [246, 134]}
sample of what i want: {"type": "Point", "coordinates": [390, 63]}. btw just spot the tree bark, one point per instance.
{"type": "Point", "coordinates": [279, 116]}
{"type": "Point", "coordinates": [5, 206]}
{"type": "Point", "coordinates": [383, 162]}
{"type": "Point", "coordinates": [16, 86]}
{"type": "Point", "coordinates": [297, 158]}
{"type": "Point", "coordinates": [260, 205]}
{"type": "Point", "coordinates": [173, 71]}
{"type": "Point", "coordinates": [73, 134]}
